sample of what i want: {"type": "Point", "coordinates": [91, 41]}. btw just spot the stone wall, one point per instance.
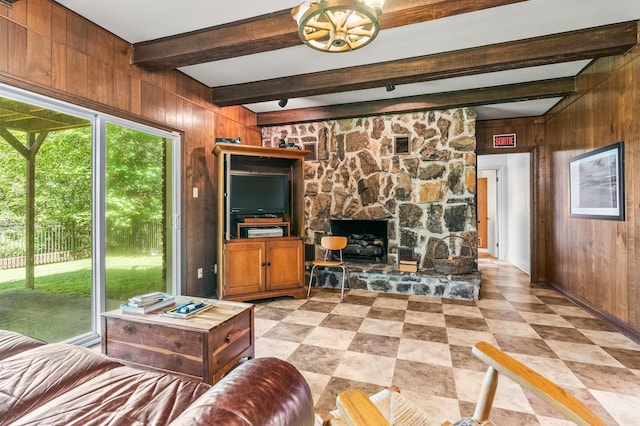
{"type": "Point", "coordinates": [354, 172]}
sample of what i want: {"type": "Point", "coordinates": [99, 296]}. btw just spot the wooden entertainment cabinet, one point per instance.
{"type": "Point", "coordinates": [259, 267]}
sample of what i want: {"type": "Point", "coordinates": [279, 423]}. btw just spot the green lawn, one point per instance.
{"type": "Point", "coordinates": [60, 305]}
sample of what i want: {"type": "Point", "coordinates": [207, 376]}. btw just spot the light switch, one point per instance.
{"type": "Point", "coordinates": [195, 192]}
{"type": "Point", "coordinates": [200, 273]}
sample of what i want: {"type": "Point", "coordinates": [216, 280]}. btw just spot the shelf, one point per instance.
{"type": "Point", "coordinates": [286, 227]}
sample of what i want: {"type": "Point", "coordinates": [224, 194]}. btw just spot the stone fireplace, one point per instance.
{"type": "Point", "coordinates": [355, 172]}
{"type": "Point", "coordinates": [366, 239]}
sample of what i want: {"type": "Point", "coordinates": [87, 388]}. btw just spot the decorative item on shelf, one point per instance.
{"type": "Point", "coordinates": [446, 262]}
{"type": "Point", "coordinates": [337, 25]}
{"type": "Point", "coordinates": [229, 140]}
{"type": "Point", "coordinates": [288, 145]}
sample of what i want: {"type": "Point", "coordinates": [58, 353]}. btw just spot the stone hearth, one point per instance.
{"type": "Point", "coordinates": [388, 279]}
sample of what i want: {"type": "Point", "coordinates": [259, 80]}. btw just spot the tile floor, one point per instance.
{"type": "Point", "coordinates": [422, 345]}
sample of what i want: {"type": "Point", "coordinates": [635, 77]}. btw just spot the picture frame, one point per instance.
{"type": "Point", "coordinates": [596, 182]}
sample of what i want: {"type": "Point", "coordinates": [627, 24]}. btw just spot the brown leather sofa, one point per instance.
{"type": "Point", "coordinates": [60, 384]}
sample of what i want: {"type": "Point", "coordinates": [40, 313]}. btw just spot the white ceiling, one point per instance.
{"type": "Point", "coordinates": [143, 20]}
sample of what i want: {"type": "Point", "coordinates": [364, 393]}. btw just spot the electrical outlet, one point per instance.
{"type": "Point", "coordinates": [195, 192]}
{"type": "Point", "coordinates": [200, 273]}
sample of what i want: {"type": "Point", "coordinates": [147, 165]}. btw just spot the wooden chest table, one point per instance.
{"type": "Point", "coordinates": [205, 346]}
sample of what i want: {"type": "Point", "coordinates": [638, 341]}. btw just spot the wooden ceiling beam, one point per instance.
{"type": "Point", "coordinates": [483, 96]}
{"type": "Point", "coordinates": [278, 30]}
{"type": "Point", "coordinates": [576, 45]}
{"type": "Point", "coordinates": [255, 35]}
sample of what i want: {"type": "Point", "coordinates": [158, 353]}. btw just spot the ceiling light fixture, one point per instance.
{"type": "Point", "coordinates": [337, 25]}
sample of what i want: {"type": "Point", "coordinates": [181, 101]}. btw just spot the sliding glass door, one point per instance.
{"type": "Point", "coordinates": [88, 215]}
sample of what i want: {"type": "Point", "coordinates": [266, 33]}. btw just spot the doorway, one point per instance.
{"type": "Point", "coordinates": [488, 214]}
{"type": "Point", "coordinates": [508, 203]}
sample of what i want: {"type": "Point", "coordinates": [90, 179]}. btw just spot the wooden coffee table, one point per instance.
{"type": "Point", "coordinates": [205, 346]}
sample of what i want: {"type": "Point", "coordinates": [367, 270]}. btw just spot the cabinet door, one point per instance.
{"type": "Point", "coordinates": [285, 268]}
{"type": "Point", "coordinates": [244, 265]}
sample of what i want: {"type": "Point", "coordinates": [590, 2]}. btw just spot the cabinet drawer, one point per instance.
{"type": "Point", "coordinates": [155, 346]}
{"type": "Point", "coordinates": [229, 340]}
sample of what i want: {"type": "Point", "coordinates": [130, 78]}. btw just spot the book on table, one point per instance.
{"type": "Point", "coordinates": [408, 268]}
{"type": "Point", "coordinates": [159, 301]}
{"type": "Point", "coordinates": [409, 264]}
{"type": "Point", "coordinates": [148, 297]}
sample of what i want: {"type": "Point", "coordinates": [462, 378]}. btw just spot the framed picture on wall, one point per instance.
{"type": "Point", "coordinates": [596, 181]}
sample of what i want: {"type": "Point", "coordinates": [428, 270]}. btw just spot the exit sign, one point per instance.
{"type": "Point", "coordinates": [504, 141]}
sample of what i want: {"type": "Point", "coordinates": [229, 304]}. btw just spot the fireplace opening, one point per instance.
{"type": "Point", "coordinates": [366, 239]}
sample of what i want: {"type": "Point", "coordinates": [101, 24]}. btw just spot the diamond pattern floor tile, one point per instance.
{"type": "Point", "coordinates": [423, 345]}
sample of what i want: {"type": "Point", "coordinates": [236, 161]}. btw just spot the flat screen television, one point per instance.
{"type": "Point", "coordinates": [259, 194]}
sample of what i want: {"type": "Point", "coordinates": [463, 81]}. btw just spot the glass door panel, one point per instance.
{"type": "Point", "coordinates": [45, 222]}
{"type": "Point", "coordinates": [138, 211]}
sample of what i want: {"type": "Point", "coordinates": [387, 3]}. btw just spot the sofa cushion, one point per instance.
{"type": "Point", "coordinates": [12, 343]}
{"type": "Point", "coordinates": [31, 378]}
{"type": "Point", "coordinates": [121, 396]}
{"type": "Point", "coordinates": [259, 392]}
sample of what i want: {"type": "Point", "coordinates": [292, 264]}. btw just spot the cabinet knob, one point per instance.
{"type": "Point", "coordinates": [268, 263]}
{"type": "Point", "coordinates": [263, 264]}
{"type": "Point", "coordinates": [234, 334]}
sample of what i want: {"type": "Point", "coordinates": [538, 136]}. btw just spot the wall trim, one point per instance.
{"type": "Point", "coordinates": [610, 319]}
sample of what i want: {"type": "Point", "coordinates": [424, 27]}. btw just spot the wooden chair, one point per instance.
{"type": "Point", "coordinates": [330, 244]}
{"type": "Point", "coordinates": [356, 408]}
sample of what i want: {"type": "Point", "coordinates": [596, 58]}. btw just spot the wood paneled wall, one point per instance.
{"type": "Point", "coordinates": [50, 50]}
{"type": "Point", "coordinates": [596, 260]}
